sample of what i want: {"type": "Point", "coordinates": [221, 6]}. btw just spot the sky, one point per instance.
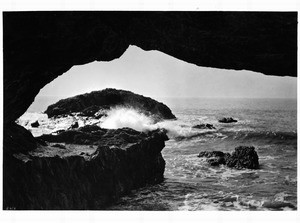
{"type": "Point", "coordinates": [158, 75]}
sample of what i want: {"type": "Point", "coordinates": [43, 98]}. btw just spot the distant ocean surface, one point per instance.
{"type": "Point", "coordinates": [270, 125]}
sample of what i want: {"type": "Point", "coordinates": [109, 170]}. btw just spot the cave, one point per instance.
{"type": "Point", "coordinates": [40, 46]}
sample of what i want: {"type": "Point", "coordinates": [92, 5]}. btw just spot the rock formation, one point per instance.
{"type": "Point", "coordinates": [227, 120]}
{"type": "Point", "coordinates": [89, 104]}
{"type": "Point", "coordinates": [204, 126]}
{"type": "Point", "coordinates": [40, 46]}
{"type": "Point", "coordinates": [242, 157]}
{"type": "Point", "coordinates": [90, 169]}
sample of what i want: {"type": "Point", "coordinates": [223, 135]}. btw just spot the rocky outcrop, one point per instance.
{"type": "Point", "coordinates": [204, 126]}
{"type": "Point", "coordinates": [242, 157]}
{"type": "Point", "coordinates": [82, 169]}
{"type": "Point", "coordinates": [227, 120]}
{"type": "Point", "coordinates": [40, 46]}
{"type": "Point", "coordinates": [17, 139]}
{"type": "Point", "coordinates": [91, 103]}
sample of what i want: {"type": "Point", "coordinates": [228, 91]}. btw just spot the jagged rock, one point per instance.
{"type": "Point", "coordinates": [227, 120]}
{"type": "Point", "coordinates": [91, 103]}
{"type": "Point", "coordinates": [204, 126]}
{"type": "Point", "coordinates": [81, 176]}
{"type": "Point", "coordinates": [242, 157]}
{"type": "Point", "coordinates": [35, 124]}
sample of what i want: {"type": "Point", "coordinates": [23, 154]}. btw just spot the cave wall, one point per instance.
{"type": "Point", "coordinates": [40, 46]}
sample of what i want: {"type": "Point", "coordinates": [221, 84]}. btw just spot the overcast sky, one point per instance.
{"type": "Point", "coordinates": [156, 74]}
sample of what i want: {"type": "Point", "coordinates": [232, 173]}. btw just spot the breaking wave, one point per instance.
{"type": "Point", "coordinates": [121, 117]}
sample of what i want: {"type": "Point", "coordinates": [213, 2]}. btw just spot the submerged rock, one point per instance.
{"type": "Point", "coordinates": [227, 120]}
{"type": "Point", "coordinates": [204, 126]}
{"type": "Point", "coordinates": [242, 157]}
{"type": "Point", "coordinates": [89, 104]}
{"type": "Point", "coordinates": [80, 176]}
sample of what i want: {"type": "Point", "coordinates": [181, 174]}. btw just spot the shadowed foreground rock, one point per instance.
{"type": "Point", "coordinates": [94, 168]}
{"type": "Point", "coordinates": [242, 157]}
{"type": "Point", "coordinates": [89, 104]}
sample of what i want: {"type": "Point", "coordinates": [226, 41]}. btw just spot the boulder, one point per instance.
{"type": "Point", "coordinates": [227, 120]}
{"type": "Point", "coordinates": [35, 124]}
{"type": "Point", "coordinates": [242, 157]}
{"type": "Point", "coordinates": [204, 126]}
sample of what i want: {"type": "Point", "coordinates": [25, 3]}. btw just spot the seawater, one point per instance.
{"type": "Point", "coordinates": [270, 125]}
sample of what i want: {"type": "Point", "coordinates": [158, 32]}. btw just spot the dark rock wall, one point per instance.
{"type": "Point", "coordinates": [39, 46]}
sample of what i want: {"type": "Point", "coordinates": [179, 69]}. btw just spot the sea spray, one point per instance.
{"type": "Point", "coordinates": [121, 117]}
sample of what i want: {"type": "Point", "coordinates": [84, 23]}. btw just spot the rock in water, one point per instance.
{"type": "Point", "coordinates": [90, 103]}
{"type": "Point", "coordinates": [95, 168]}
{"type": "Point", "coordinates": [227, 120]}
{"type": "Point", "coordinates": [204, 126]}
{"type": "Point", "coordinates": [215, 158]}
{"type": "Point", "coordinates": [74, 125]}
{"type": "Point", "coordinates": [35, 124]}
{"type": "Point", "coordinates": [242, 157]}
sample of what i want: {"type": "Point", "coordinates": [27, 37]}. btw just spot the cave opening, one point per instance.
{"type": "Point", "coordinates": [160, 76]}
{"type": "Point", "coordinates": [164, 78]}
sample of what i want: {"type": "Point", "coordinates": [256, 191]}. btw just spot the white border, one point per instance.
{"type": "Point", "coordinates": [143, 216]}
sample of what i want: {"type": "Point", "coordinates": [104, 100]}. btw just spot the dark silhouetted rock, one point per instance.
{"type": "Point", "coordinates": [227, 120]}
{"type": "Point", "coordinates": [204, 126]}
{"type": "Point", "coordinates": [74, 125]}
{"type": "Point", "coordinates": [35, 124]}
{"type": "Point", "coordinates": [18, 139]}
{"type": "Point", "coordinates": [78, 176]}
{"type": "Point", "coordinates": [242, 157]}
{"type": "Point", "coordinates": [91, 103]}
{"type": "Point", "coordinates": [278, 205]}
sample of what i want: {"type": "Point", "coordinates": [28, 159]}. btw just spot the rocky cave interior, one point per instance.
{"type": "Point", "coordinates": [40, 46]}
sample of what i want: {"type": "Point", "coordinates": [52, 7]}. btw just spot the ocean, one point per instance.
{"type": "Point", "coordinates": [270, 125]}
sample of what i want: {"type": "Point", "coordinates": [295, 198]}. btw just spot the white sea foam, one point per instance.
{"type": "Point", "coordinates": [120, 117]}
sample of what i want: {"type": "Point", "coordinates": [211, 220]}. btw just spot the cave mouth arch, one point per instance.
{"type": "Point", "coordinates": [160, 76]}
{"type": "Point", "coordinates": [39, 46]}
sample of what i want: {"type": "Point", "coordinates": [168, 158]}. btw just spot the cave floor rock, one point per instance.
{"type": "Point", "coordinates": [83, 176]}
